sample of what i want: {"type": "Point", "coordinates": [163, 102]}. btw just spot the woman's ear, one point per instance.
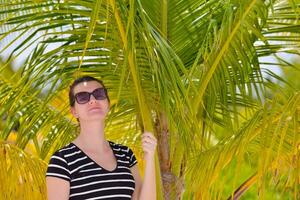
{"type": "Point", "coordinates": [74, 113]}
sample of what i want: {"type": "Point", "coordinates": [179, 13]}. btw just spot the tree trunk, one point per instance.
{"type": "Point", "coordinates": [172, 185]}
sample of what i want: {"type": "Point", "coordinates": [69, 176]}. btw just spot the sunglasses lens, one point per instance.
{"type": "Point", "coordinates": [82, 97]}
{"type": "Point", "coordinates": [99, 94]}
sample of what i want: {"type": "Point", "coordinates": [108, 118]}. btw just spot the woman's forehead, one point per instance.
{"type": "Point", "coordinates": [88, 86]}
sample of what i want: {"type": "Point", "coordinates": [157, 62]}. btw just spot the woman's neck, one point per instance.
{"type": "Point", "coordinates": [92, 136]}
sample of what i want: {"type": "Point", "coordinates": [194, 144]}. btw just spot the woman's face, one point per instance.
{"type": "Point", "coordinates": [93, 109]}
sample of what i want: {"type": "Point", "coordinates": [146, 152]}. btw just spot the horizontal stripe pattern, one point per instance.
{"type": "Point", "coordinates": [88, 180]}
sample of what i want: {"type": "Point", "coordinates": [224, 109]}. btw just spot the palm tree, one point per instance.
{"type": "Point", "coordinates": [189, 71]}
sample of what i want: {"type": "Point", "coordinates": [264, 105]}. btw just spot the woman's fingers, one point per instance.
{"type": "Point", "coordinates": [148, 135]}
{"type": "Point", "coordinates": [149, 143]}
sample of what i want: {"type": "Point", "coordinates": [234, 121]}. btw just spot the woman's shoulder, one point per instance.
{"type": "Point", "coordinates": [65, 150]}
{"type": "Point", "coordinates": [58, 164]}
{"type": "Point", "coordinates": [124, 151]}
{"type": "Point", "coordinates": [119, 147]}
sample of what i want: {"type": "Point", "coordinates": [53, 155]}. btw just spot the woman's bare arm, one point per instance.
{"type": "Point", "coordinates": [146, 189]}
{"type": "Point", "coordinates": [57, 189]}
{"type": "Point", "coordinates": [138, 182]}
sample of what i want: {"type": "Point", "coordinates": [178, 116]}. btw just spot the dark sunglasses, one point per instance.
{"type": "Point", "coordinates": [84, 97]}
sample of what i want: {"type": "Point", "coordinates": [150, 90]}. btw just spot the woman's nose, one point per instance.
{"type": "Point", "coordinates": [92, 99]}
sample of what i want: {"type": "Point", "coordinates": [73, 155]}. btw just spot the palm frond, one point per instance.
{"type": "Point", "coordinates": [22, 175]}
{"type": "Point", "coordinates": [269, 135]}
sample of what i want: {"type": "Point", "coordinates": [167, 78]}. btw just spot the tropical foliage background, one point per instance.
{"type": "Point", "coordinates": [199, 74]}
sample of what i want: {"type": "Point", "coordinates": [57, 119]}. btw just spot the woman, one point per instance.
{"type": "Point", "coordinates": [91, 167]}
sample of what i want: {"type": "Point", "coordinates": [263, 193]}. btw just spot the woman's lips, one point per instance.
{"type": "Point", "coordinates": [94, 108]}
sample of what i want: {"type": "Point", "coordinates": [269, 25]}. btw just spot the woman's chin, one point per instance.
{"type": "Point", "coordinates": [96, 115]}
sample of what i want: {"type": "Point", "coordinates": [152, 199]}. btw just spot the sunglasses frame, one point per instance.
{"type": "Point", "coordinates": [91, 93]}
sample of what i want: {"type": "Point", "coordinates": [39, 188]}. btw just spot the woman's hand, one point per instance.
{"type": "Point", "coordinates": [148, 190]}
{"type": "Point", "coordinates": [149, 143]}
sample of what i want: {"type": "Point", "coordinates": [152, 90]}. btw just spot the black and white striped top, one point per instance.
{"type": "Point", "coordinates": [88, 180]}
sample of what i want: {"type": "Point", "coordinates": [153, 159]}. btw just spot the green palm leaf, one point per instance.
{"type": "Point", "coordinates": [191, 71]}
